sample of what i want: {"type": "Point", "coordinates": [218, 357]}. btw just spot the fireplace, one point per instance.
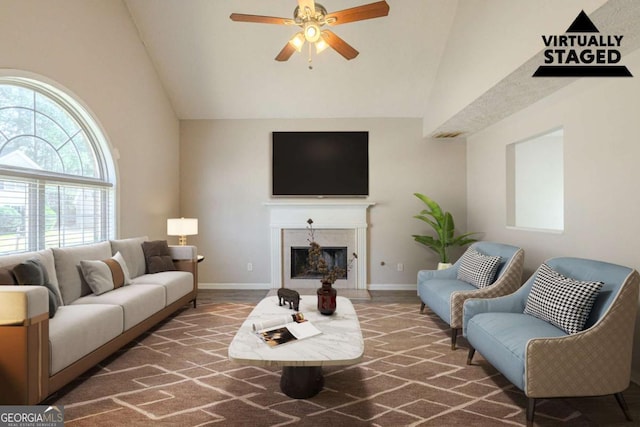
{"type": "Point", "coordinates": [332, 241]}
{"type": "Point", "coordinates": [335, 223]}
{"type": "Point", "coordinates": [335, 257]}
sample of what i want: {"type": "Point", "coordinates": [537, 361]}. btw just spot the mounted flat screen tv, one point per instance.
{"type": "Point", "coordinates": [320, 164]}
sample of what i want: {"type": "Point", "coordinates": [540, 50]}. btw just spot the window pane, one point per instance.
{"type": "Point", "coordinates": [15, 122]}
{"type": "Point", "coordinates": [75, 215]}
{"type": "Point", "coordinates": [50, 131]}
{"type": "Point", "coordinates": [32, 153]}
{"type": "Point", "coordinates": [14, 211]}
{"type": "Point", "coordinates": [40, 133]}
{"type": "Point", "coordinates": [51, 109]}
{"type": "Point", "coordinates": [59, 145]}
{"type": "Point", "coordinates": [87, 154]}
{"type": "Point", "coordinates": [15, 96]}
{"type": "Point", "coordinates": [71, 159]}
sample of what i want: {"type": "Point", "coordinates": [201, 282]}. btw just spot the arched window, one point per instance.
{"type": "Point", "coordinates": [56, 185]}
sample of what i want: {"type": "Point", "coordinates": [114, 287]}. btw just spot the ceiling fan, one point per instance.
{"type": "Point", "coordinates": [311, 17]}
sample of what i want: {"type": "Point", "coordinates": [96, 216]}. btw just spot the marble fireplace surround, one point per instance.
{"type": "Point", "coordinates": [332, 215]}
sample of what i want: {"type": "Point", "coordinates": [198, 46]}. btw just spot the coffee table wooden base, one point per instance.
{"type": "Point", "coordinates": [301, 382]}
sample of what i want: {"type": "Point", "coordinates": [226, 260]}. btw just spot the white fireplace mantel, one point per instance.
{"type": "Point", "coordinates": [325, 215]}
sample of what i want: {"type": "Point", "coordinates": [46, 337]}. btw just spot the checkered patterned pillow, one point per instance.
{"type": "Point", "coordinates": [478, 269]}
{"type": "Point", "coordinates": [560, 300]}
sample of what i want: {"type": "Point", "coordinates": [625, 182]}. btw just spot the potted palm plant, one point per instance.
{"type": "Point", "coordinates": [442, 223]}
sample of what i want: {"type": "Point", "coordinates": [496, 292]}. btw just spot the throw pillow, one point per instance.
{"type": "Point", "coordinates": [560, 300]}
{"type": "Point", "coordinates": [131, 251]}
{"type": "Point", "coordinates": [478, 269]}
{"type": "Point", "coordinates": [32, 272]}
{"type": "Point", "coordinates": [7, 277]}
{"type": "Point", "coordinates": [157, 256]}
{"type": "Point", "coordinates": [106, 275]}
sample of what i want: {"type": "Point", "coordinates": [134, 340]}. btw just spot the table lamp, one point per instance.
{"type": "Point", "coordinates": [182, 227]}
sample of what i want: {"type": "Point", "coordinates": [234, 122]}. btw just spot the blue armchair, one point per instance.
{"type": "Point", "coordinates": [445, 294]}
{"type": "Point", "coordinates": [543, 360]}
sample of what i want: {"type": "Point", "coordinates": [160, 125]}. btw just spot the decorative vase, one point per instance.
{"type": "Point", "coordinates": [443, 265]}
{"type": "Point", "coordinates": [326, 299]}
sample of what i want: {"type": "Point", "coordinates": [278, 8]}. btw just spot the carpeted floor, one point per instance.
{"type": "Point", "coordinates": [179, 375]}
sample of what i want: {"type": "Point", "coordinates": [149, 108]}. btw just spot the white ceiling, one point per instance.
{"type": "Point", "coordinates": [214, 68]}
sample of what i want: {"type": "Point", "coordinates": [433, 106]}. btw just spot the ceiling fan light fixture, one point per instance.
{"type": "Point", "coordinates": [311, 17]}
{"type": "Point", "coordinates": [321, 45]}
{"type": "Point", "coordinates": [311, 31]}
{"type": "Point", "coordinates": [297, 41]}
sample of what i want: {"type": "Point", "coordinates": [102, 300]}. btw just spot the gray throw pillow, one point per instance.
{"type": "Point", "coordinates": [157, 256]}
{"type": "Point", "coordinates": [7, 277]}
{"type": "Point", "coordinates": [32, 272]}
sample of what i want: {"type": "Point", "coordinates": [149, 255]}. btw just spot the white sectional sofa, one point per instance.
{"type": "Point", "coordinates": [39, 355]}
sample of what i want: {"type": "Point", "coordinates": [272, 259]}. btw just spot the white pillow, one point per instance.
{"type": "Point", "coordinates": [104, 276]}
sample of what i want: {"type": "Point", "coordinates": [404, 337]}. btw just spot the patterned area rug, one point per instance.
{"type": "Point", "coordinates": [179, 375]}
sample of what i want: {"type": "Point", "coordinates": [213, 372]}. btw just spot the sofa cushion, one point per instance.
{"type": "Point", "coordinates": [138, 302]}
{"type": "Point", "coordinates": [478, 269]}
{"type": "Point", "coordinates": [107, 275]}
{"type": "Point", "coordinates": [560, 300]}
{"type": "Point", "coordinates": [493, 333]}
{"type": "Point", "coordinates": [72, 284]}
{"type": "Point", "coordinates": [176, 283]}
{"type": "Point", "coordinates": [46, 257]}
{"type": "Point", "coordinates": [436, 294]}
{"type": "Point", "coordinates": [33, 272]}
{"type": "Point", "coordinates": [157, 256]}
{"type": "Point", "coordinates": [131, 250]}
{"type": "Point", "coordinates": [77, 330]}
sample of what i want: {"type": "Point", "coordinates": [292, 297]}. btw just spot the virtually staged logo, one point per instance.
{"type": "Point", "coordinates": [582, 52]}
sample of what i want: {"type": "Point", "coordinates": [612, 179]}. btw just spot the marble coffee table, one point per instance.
{"type": "Point", "coordinates": [340, 343]}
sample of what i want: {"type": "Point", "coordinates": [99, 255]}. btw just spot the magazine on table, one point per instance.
{"type": "Point", "coordinates": [284, 329]}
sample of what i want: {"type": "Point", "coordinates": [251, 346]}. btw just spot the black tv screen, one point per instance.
{"type": "Point", "coordinates": [320, 164]}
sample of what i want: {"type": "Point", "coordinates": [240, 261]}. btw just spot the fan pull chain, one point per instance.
{"type": "Point", "coordinates": [310, 60]}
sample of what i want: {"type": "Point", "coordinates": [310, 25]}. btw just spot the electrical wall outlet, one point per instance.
{"type": "Point", "coordinates": [249, 266]}
{"type": "Point", "coordinates": [400, 266]}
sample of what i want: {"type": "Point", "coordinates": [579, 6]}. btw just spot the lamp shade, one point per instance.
{"type": "Point", "coordinates": [182, 226]}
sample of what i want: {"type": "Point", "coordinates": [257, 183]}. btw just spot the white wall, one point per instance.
{"type": "Point", "coordinates": [225, 180]}
{"type": "Point", "coordinates": [489, 39]}
{"type": "Point", "coordinates": [602, 203]}
{"type": "Point", "coordinates": [92, 49]}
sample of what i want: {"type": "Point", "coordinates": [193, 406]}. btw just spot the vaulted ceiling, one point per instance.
{"type": "Point", "coordinates": [214, 68]}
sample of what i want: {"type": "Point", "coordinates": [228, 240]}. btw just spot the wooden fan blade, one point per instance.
{"type": "Point", "coordinates": [286, 52]}
{"type": "Point", "coordinates": [339, 45]}
{"type": "Point", "coordinates": [310, 4]}
{"type": "Point", "coordinates": [358, 13]}
{"type": "Point", "coordinates": [258, 19]}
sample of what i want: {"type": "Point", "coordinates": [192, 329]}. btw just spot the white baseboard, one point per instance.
{"type": "Point", "coordinates": [261, 286]}
{"type": "Point", "coordinates": [393, 287]}
{"type": "Point", "coordinates": [237, 286]}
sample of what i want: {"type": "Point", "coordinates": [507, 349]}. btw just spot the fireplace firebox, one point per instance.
{"type": "Point", "coordinates": [334, 256]}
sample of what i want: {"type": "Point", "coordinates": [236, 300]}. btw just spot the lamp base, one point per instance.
{"type": "Point", "coordinates": [182, 240]}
